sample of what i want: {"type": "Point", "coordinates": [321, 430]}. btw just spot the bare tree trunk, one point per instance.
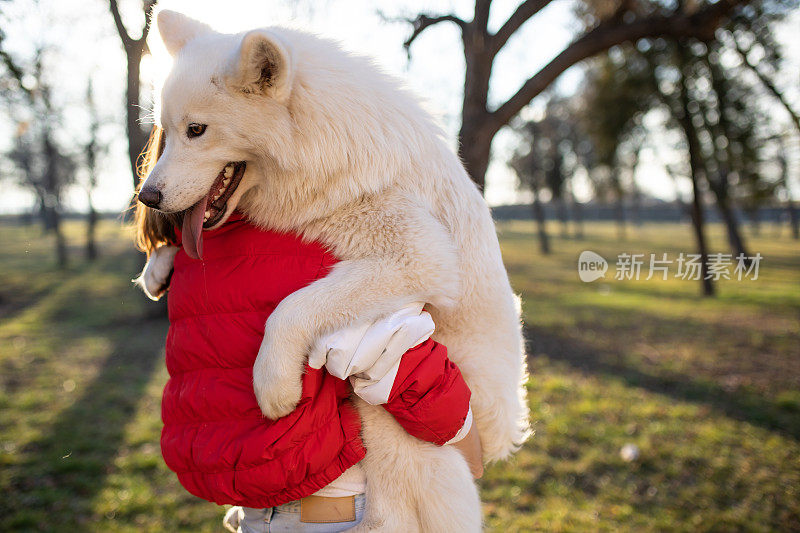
{"type": "Point", "coordinates": [91, 225]}
{"type": "Point", "coordinates": [577, 214]}
{"type": "Point", "coordinates": [793, 221]}
{"type": "Point", "coordinates": [61, 243]}
{"type": "Point", "coordinates": [45, 212]}
{"type": "Point", "coordinates": [724, 157]}
{"type": "Point", "coordinates": [726, 211]}
{"type": "Point", "coordinates": [696, 167]}
{"type": "Point", "coordinates": [137, 137]}
{"type": "Point", "coordinates": [698, 223]}
{"type": "Point", "coordinates": [561, 210]}
{"type": "Point", "coordinates": [53, 180]}
{"type": "Point", "coordinates": [619, 207]}
{"type": "Point", "coordinates": [619, 216]}
{"type": "Point", "coordinates": [784, 180]}
{"type": "Point", "coordinates": [635, 193]}
{"type": "Point", "coordinates": [51, 223]}
{"type": "Point", "coordinates": [636, 206]}
{"type": "Point", "coordinates": [92, 150]}
{"type": "Point", "coordinates": [755, 221]}
{"type": "Point", "coordinates": [474, 149]}
{"type": "Point", "coordinates": [134, 50]}
{"type": "Point", "coordinates": [538, 213]}
{"type": "Point", "coordinates": [732, 225]}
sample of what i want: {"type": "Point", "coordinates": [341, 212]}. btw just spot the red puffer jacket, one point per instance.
{"type": "Point", "coordinates": [215, 437]}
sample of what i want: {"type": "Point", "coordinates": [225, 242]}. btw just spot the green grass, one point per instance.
{"type": "Point", "coordinates": [81, 373]}
{"type": "Point", "coordinates": [709, 390]}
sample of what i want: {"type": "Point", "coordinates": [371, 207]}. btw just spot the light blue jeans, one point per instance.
{"type": "Point", "coordinates": [286, 518]}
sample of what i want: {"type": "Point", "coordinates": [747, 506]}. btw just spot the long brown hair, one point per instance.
{"type": "Point", "coordinates": [153, 228]}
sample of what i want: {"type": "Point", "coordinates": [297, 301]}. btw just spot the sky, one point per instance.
{"type": "Point", "coordinates": [85, 44]}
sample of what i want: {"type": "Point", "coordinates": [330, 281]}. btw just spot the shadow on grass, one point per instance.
{"type": "Point", "coordinates": [64, 470]}
{"type": "Point", "coordinates": [744, 405]}
{"type": "Point", "coordinates": [60, 472]}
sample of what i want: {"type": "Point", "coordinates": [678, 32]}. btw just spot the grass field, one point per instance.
{"type": "Point", "coordinates": [708, 390]}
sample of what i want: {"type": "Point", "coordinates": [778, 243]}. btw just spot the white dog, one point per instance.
{"type": "Point", "coordinates": [304, 137]}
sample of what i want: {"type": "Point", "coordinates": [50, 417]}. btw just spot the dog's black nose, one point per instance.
{"type": "Point", "coordinates": [150, 196]}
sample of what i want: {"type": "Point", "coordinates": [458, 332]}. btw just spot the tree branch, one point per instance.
{"type": "Point", "coordinates": [423, 22]}
{"type": "Point", "coordinates": [13, 68]}
{"type": "Point", "coordinates": [700, 24]}
{"type": "Point", "coordinates": [524, 11]}
{"type": "Point", "coordinates": [767, 83]}
{"type": "Point", "coordinates": [148, 21]}
{"type": "Point", "coordinates": [127, 41]}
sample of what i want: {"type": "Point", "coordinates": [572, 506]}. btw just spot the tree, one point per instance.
{"type": "Point", "coordinates": [135, 48]}
{"type": "Point", "coordinates": [758, 28]}
{"type": "Point", "coordinates": [783, 164]}
{"type": "Point", "coordinates": [616, 94]}
{"type": "Point", "coordinates": [627, 21]}
{"type": "Point", "coordinates": [42, 164]}
{"type": "Point", "coordinates": [728, 123]}
{"type": "Point", "coordinates": [682, 112]}
{"type": "Point", "coordinates": [93, 150]}
{"type": "Point", "coordinates": [541, 163]}
{"type": "Point", "coordinates": [531, 177]}
{"type": "Point", "coordinates": [715, 108]}
{"type": "Point", "coordinates": [552, 150]}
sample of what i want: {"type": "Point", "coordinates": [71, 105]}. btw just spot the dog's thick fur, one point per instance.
{"type": "Point", "coordinates": [338, 152]}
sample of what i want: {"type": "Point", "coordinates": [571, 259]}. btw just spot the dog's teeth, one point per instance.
{"type": "Point", "coordinates": [229, 171]}
{"type": "Point", "coordinates": [217, 197]}
{"type": "Point", "coordinates": [208, 215]}
{"type": "Point", "coordinates": [226, 181]}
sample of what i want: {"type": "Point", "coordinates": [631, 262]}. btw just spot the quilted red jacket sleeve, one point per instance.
{"type": "Point", "coordinates": [429, 397]}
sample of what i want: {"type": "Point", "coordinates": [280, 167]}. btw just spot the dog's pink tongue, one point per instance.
{"type": "Point", "coordinates": [193, 230]}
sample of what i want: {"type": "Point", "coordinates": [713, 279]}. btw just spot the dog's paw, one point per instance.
{"type": "Point", "coordinates": [233, 517]}
{"type": "Point", "coordinates": [277, 380]}
{"type": "Point", "coordinates": [154, 279]}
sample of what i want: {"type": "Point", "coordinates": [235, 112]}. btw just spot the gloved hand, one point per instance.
{"type": "Point", "coordinates": [369, 353]}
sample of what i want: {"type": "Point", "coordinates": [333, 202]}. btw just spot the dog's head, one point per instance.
{"type": "Point", "coordinates": [218, 85]}
{"type": "Point", "coordinates": [284, 119]}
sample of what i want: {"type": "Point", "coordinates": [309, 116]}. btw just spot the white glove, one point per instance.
{"type": "Point", "coordinates": [369, 354]}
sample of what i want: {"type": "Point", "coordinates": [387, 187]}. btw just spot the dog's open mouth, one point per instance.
{"type": "Point", "coordinates": [222, 189]}
{"type": "Point", "coordinates": [210, 210]}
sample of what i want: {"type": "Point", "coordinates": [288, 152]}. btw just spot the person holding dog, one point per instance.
{"type": "Point", "coordinates": [305, 473]}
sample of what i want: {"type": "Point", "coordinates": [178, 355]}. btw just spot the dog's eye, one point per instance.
{"type": "Point", "coordinates": [195, 130]}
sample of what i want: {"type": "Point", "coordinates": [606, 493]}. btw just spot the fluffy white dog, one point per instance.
{"type": "Point", "coordinates": [304, 137]}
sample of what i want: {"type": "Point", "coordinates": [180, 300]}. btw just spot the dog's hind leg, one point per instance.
{"type": "Point", "coordinates": [413, 485]}
{"type": "Point", "coordinates": [448, 498]}
{"type": "Point", "coordinates": [391, 498]}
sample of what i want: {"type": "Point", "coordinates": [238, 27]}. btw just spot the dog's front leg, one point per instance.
{"type": "Point", "coordinates": [361, 289]}
{"type": "Point", "coordinates": [154, 278]}
{"type": "Point", "coordinates": [402, 259]}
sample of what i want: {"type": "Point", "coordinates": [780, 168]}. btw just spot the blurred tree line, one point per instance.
{"type": "Point", "coordinates": [43, 158]}
{"type": "Point", "coordinates": [734, 150]}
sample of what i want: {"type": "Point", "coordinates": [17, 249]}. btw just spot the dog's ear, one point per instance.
{"type": "Point", "coordinates": [263, 65]}
{"type": "Point", "coordinates": [176, 29]}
